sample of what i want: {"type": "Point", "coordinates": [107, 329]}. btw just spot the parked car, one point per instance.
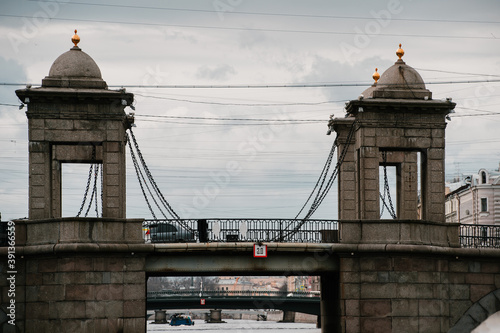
{"type": "Point", "coordinates": [167, 232]}
{"type": "Point", "coordinates": [180, 319]}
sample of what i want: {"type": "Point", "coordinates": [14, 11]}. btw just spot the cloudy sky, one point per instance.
{"type": "Point", "coordinates": [211, 167]}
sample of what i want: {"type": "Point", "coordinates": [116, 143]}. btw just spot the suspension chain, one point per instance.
{"type": "Point", "coordinates": [151, 180]}
{"type": "Point", "coordinates": [85, 195]}
{"type": "Point", "coordinates": [320, 196]}
{"type": "Point", "coordinates": [138, 171]}
{"type": "Point", "coordinates": [387, 191]}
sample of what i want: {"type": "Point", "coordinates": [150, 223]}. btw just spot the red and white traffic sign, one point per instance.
{"type": "Point", "coordinates": [259, 251]}
{"type": "Point", "coordinates": [202, 301]}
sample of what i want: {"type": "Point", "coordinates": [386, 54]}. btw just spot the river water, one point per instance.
{"type": "Point", "coordinates": [236, 326]}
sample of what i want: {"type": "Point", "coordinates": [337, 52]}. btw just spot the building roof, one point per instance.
{"type": "Point", "coordinates": [399, 81]}
{"type": "Point", "coordinates": [74, 69]}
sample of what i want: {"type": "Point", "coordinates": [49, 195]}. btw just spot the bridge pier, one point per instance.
{"type": "Point", "coordinates": [80, 275]}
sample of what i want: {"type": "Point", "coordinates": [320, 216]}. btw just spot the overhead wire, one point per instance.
{"type": "Point", "coordinates": [260, 86]}
{"type": "Point", "coordinates": [317, 32]}
{"type": "Point", "coordinates": [234, 12]}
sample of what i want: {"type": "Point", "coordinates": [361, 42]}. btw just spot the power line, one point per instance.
{"type": "Point", "coordinates": [237, 119]}
{"type": "Point", "coordinates": [238, 104]}
{"type": "Point", "coordinates": [268, 14]}
{"type": "Point", "coordinates": [263, 86]}
{"type": "Point", "coordinates": [253, 29]}
{"type": "Point", "coordinates": [451, 72]}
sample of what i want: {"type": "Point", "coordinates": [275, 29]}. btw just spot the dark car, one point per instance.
{"type": "Point", "coordinates": [167, 232]}
{"type": "Point", "coordinates": [180, 319]}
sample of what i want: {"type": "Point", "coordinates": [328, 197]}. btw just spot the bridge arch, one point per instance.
{"type": "Point", "coordinates": [478, 313]}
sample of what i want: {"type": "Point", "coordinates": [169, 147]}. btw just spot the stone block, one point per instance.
{"type": "Point", "coordinates": [441, 291]}
{"type": "Point", "coordinates": [480, 278]}
{"type": "Point", "coordinates": [131, 325]}
{"type": "Point", "coordinates": [437, 142]}
{"type": "Point", "coordinates": [491, 267]}
{"type": "Point", "coordinates": [459, 291]}
{"type": "Point", "coordinates": [375, 263]}
{"type": "Point", "coordinates": [47, 265]}
{"type": "Point", "coordinates": [404, 307]}
{"type": "Point", "coordinates": [83, 264]}
{"type": "Point", "coordinates": [107, 292]}
{"type": "Point", "coordinates": [79, 292]}
{"type": "Point", "coordinates": [429, 324]}
{"type": "Point", "coordinates": [49, 293]}
{"type": "Point", "coordinates": [375, 308]}
{"type": "Point", "coordinates": [375, 325]}
{"type": "Point", "coordinates": [351, 232]}
{"type": "Point", "coordinates": [113, 191]}
{"type": "Point", "coordinates": [350, 291]}
{"type": "Point", "coordinates": [458, 309]}
{"type": "Point", "coordinates": [66, 309]}
{"type": "Point", "coordinates": [33, 279]}
{"type": "Point", "coordinates": [380, 232]}
{"type": "Point", "coordinates": [352, 325]}
{"type": "Point", "coordinates": [134, 291]}
{"type": "Point", "coordinates": [112, 169]}
{"type": "Point", "coordinates": [114, 309]}
{"type": "Point", "coordinates": [403, 277]}
{"type": "Point", "coordinates": [134, 277]}
{"type": "Point", "coordinates": [133, 232]}
{"type": "Point", "coordinates": [135, 263]}
{"type": "Point", "coordinates": [108, 232]}
{"type": "Point", "coordinates": [417, 132]}
{"type": "Point", "coordinates": [58, 124]}
{"type": "Point", "coordinates": [109, 325]}
{"type": "Point", "coordinates": [113, 202]}
{"type": "Point", "coordinates": [351, 307]}
{"type": "Point", "coordinates": [370, 277]}
{"type": "Point", "coordinates": [458, 266]}
{"type": "Point", "coordinates": [414, 291]}
{"type": "Point", "coordinates": [113, 135]}
{"type": "Point", "coordinates": [135, 308]}
{"type": "Point", "coordinates": [111, 264]}
{"type": "Point", "coordinates": [112, 146]}
{"type": "Point", "coordinates": [428, 277]}
{"type": "Point", "coordinates": [113, 158]}
{"type": "Point", "coordinates": [36, 326]}
{"type": "Point", "coordinates": [474, 267]}
{"type": "Point", "coordinates": [428, 307]}
{"type": "Point", "coordinates": [90, 125]}
{"type": "Point", "coordinates": [38, 310]}
{"type": "Point", "coordinates": [405, 324]}
{"type": "Point", "coordinates": [36, 123]}
{"type": "Point", "coordinates": [479, 291]}
{"type": "Point", "coordinates": [378, 290]}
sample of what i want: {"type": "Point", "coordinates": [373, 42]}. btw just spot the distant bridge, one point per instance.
{"type": "Point", "coordinates": [305, 302]}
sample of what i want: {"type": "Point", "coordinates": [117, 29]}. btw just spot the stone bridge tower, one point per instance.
{"type": "Point", "coordinates": [395, 122]}
{"type": "Point", "coordinates": [74, 118]}
{"type": "Point", "coordinates": [78, 274]}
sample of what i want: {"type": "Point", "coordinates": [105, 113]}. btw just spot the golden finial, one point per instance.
{"type": "Point", "coordinates": [376, 75]}
{"type": "Point", "coordinates": [400, 52]}
{"type": "Point", "coordinates": [75, 39]}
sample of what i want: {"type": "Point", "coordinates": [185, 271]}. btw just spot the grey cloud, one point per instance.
{"type": "Point", "coordinates": [218, 73]}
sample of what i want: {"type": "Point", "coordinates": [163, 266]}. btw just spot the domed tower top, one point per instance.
{"type": "Point", "coordinates": [74, 69]}
{"type": "Point", "coordinates": [399, 81]}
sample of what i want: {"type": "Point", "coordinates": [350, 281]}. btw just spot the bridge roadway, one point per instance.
{"type": "Point", "coordinates": [237, 259]}
{"type": "Point", "coordinates": [297, 302]}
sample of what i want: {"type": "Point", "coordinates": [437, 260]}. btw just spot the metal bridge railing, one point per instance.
{"type": "Point", "coordinates": [223, 293]}
{"type": "Point", "coordinates": [474, 236]}
{"type": "Point", "coordinates": [241, 230]}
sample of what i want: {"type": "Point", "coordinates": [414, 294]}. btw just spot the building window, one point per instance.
{"type": "Point", "coordinates": [483, 177]}
{"type": "Point", "coordinates": [484, 204]}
